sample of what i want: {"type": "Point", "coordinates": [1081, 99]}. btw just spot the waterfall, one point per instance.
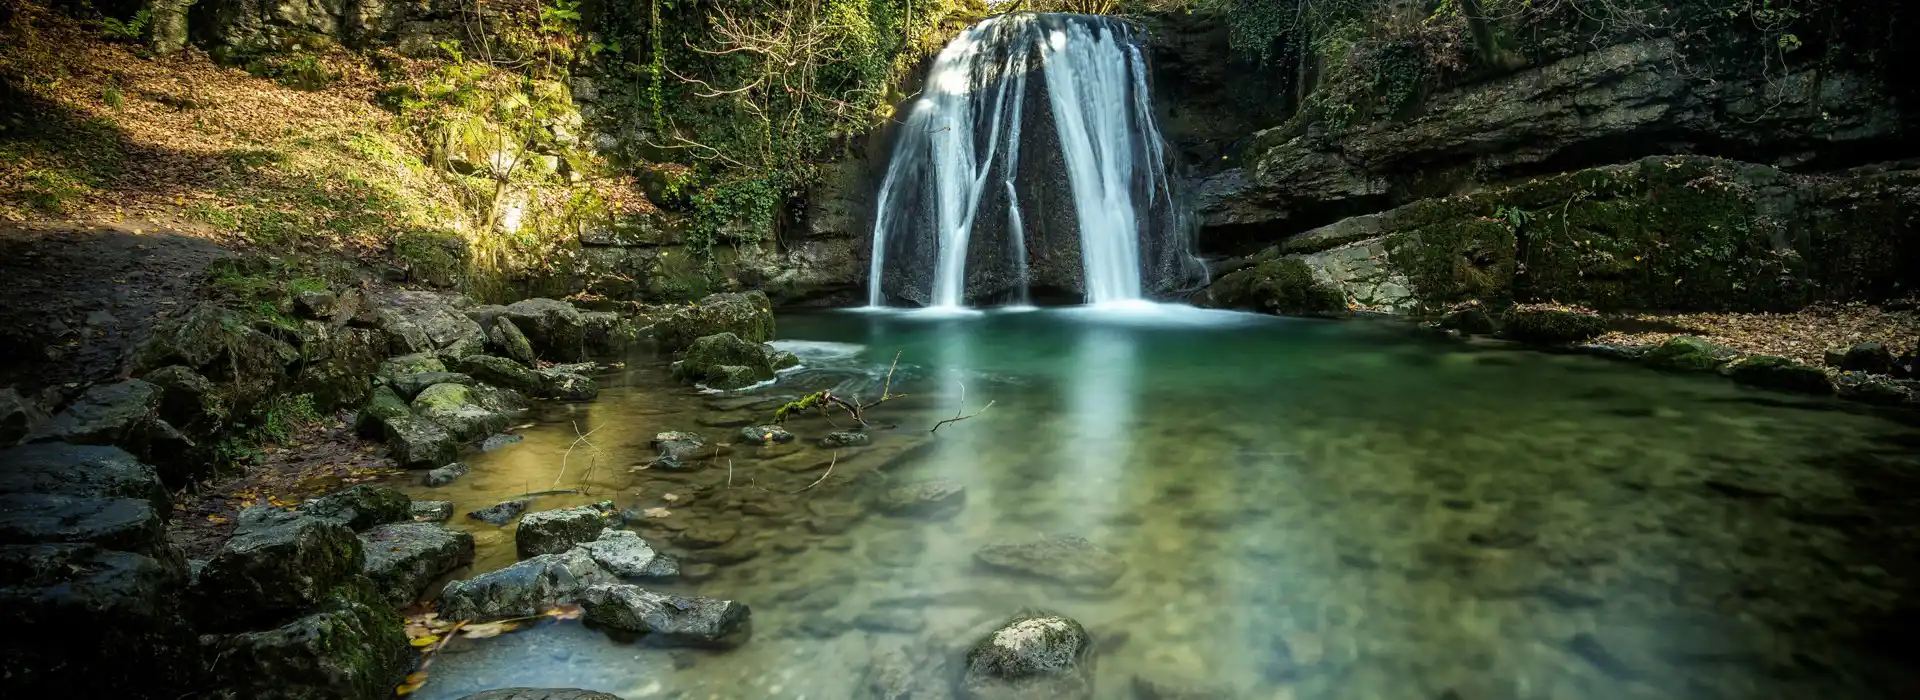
{"type": "Point", "coordinates": [1089, 207]}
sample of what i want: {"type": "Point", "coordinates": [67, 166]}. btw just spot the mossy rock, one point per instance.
{"type": "Point", "coordinates": [1551, 326]}
{"type": "Point", "coordinates": [1688, 354]}
{"type": "Point", "coordinates": [384, 405]}
{"type": "Point", "coordinates": [500, 371]}
{"type": "Point", "coordinates": [460, 410]}
{"type": "Point", "coordinates": [747, 315]}
{"type": "Point", "coordinates": [351, 646]}
{"type": "Point", "coordinates": [1772, 372]}
{"type": "Point", "coordinates": [1282, 286]}
{"type": "Point", "coordinates": [1472, 320]}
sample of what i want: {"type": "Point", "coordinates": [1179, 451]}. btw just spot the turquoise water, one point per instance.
{"type": "Point", "coordinates": [1304, 510]}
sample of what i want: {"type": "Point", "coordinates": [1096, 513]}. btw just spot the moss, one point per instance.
{"type": "Point", "coordinates": [432, 257]}
{"type": "Point", "coordinates": [1450, 252]}
{"type": "Point", "coordinates": [1688, 354]}
{"type": "Point", "coordinates": [444, 398]}
{"type": "Point", "coordinates": [385, 405]}
{"type": "Point", "coordinates": [1281, 285]}
{"type": "Point", "coordinates": [1551, 326]}
{"type": "Point", "coordinates": [1772, 372]}
{"type": "Point", "coordinates": [1859, 244]}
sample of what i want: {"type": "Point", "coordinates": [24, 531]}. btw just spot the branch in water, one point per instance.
{"type": "Point", "coordinates": [957, 417]}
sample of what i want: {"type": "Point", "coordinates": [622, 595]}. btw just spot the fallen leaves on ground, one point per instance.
{"type": "Point", "coordinates": [331, 456]}
{"type": "Point", "coordinates": [1803, 335]}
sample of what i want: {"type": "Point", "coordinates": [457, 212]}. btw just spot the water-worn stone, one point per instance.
{"type": "Point", "coordinates": [122, 414]}
{"type": "Point", "coordinates": [403, 559]}
{"type": "Point", "coordinates": [669, 619]}
{"type": "Point", "coordinates": [1688, 354]}
{"type": "Point", "coordinates": [352, 647]}
{"type": "Point", "coordinates": [445, 475]}
{"type": "Point", "coordinates": [706, 534]}
{"type": "Point", "coordinates": [127, 604]}
{"type": "Point", "coordinates": [362, 506]}
{"type": "Point", "coordinates": [843, 438]}
{"type": "Point", "coordinates": [555, 330]}
{"type": "Point", "coordinates": [555, 531]}
{"type": "Point", "coordinates": [765, 435]}
{"type": "Point", "coordinates": [1770, 372]}
{"type": "Point", "coordinates": [908, 673]}
{"type": "Point", "coordinates": [499, 440]}
{"type": "Point", "coordinates": [541, 694]}
{"type": "Point", "coordinates": [526, 588]}
{"type": "Point", "coordinates": [934, 499]}
{"type": "Point", "coordinates": [566, 386]}
{"type": "Point", "coordinates": [500, 371]}
{"type": "Point", "coordinates": [1034, 655]}
{"type": "Point", "coordinates": [622, 553]}
{"type": "Point", "coordinates": [501, 513]}
{"type": "Point", "coordinates": [402, 365]}
{"type": "Point", "coordinates": [277, 564]}
{"type": "Point", "coordinates": [458, 409]}
{"type": "Point", "coordinates": [1069, 559]}
{"type": "Point", "coordinates": [747, 315]}
{"type": "Point", "coordinates": [432, 511]}
{"type": "Point", "coordinates": [715, 360]}
{"type": "Point", "coordinates": [417, 442]}
{"type": "Point", "coordinates": [410, 385]}
{"type": "Point", "coordinates": [677, 443]}
{"type": "Point", "coordinates": [510, 342]}
{"type": "Point", "coordinates": [127, 524]}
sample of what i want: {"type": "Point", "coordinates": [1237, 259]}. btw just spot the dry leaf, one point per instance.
{"type": "Point", "coordinates": [670, 497]}
{"type": "Point", "coordinates": [487, 630]}
{"type": "Point", "coordinates": [656, 512]}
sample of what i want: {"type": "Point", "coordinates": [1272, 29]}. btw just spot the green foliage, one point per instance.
{"type": "Point", "coordinates": [133, 29]}
{"type": "Point", "coordinates": [282, 417]}
{"type": "Point", "coordinates": [815, 400]}
{"type": "Point", "coordinates": [300, 71]}
{"type": "Point", "coordinates": [1551, 325]}
{"type": "Point", "coordinates": [741, 212]}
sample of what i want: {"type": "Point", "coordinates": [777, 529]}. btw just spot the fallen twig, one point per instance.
{"type": "Point", "coordinates": [823, 477]}
{"type": "Point", "coordinates": [962, 409]}
{"type": "Point", "coordinates": [569, 453]}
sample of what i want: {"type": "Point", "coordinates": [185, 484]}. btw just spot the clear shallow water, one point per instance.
{"type": "Point", "coordinates": [1306, 510]}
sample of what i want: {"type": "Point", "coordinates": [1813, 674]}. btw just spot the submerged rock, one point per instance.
{"type": "Point", "coordinates": [501, 513]}
{"type": "Point", "coordinates": [670, 619]}
{"type": "Point", "coordinates": [499, 440]}
{"type": "Point", "coordinates": [1770, 372]}
{"type": "Point", "coordinates": [403, 559]}
{"type": "Point", "coordinates": [555, 531]}
{"type": "Point", "coordinates": [675, 443]}
{"type": "Point", "coordinates": [839, 439]}
{"type": "Point", "coordinates": [934, 499]}
{"type": "Point", "coordinates": [765, 435]}
{"type": "Point", "coordinates": [526, 588]}
{"type": "Point", "coordinates": [1552, 326]}
{"type": "Point", "coordinates": [911, 673]}
{"type": "Point", "coordinates": [1070, 559]}
{"type": "Point", "coordinates": [445, 475]}
{"type": "Point", "coordinates": [432, 511]}
{"type": "Point", "coordinates": [1034, 655]}
{"type": "Point", "coordinates": [277, 564]}
{"type": "Point", "coordinates": [361, 507]}
{"type": "Point", "coordinates": [624, 554]}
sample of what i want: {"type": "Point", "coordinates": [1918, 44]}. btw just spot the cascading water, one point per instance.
{"type": "Point", "coordinates": [1089, 207]}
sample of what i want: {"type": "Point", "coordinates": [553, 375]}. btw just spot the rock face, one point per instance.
{"type": "Point", "coordinates": [1035, 655]}
{"type": "Point", "coordinates": [622, 553]}
{"type": "Point", "coordinates": [526, 588]}
{"type": "Point", "coordinates": [277, 564]}
{"type": "Point", "coordinates": [556, 531]}
{"type": "Point", "coordinates": [403, 559]}
{"type": "Point", "coordinates": [1277, 285]}
{"type": "Point", "coordinates": [670, 619]}
{"type": "Point", "coordinates": [1069, 559]}
{"type": "Point", "coordinates": [748, 316]}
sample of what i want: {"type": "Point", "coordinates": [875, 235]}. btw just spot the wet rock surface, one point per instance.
{"type": "Point", "coordinates": [933, 499]}
{"type": "Point", "coordinates": [541, 694]}
{"type": "Point", "coordinates": [668, 619]}
{"type": "Point", "coordinates": [748, 316]}
{"type": "Point", "coordinates": [556, 531]}
{"type": "Point", "coordinates": [432, 511]}
{"type": "Point", "coordinates": [445, 475]}
{"type": "Point", "coordinates": [404, 559]}
{"type": "Point", "coordinates": [459, 410]}
{"type": "Point", "coordinates": [523, 589]}
{"type": "Point", "coordinates": [1069, 559]}
{"type": "Point", "coordinates": [622, 553]}
{"type": "Point", "coordinates": [501, 513]}
{"type": "Point", "coordinates": [352, 646]}
{"type": "Point", "coordinates": [1034, 655]}
{"type": "Point", "coordinates": [277, 564]}
{"type": "Point", "coordinates": [361, 507]}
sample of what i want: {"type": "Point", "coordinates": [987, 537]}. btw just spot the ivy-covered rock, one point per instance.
{"type": "Point", "coordinates": [1280, 285]}
{"type": "Point", "coordinates": [403, 559]}
{"type": "Point", "coordinates": [500, 371]}
{"type": "Point", "coordinates": [746, 315]}
{"type": "Point", "coordinates": [1551, 325]}
{"type": "Point", "coordinates": [669, 619]}
{"type": "Point", "coordinates": [458, 410]}
{"type": "Point", "coordinates": [1688, 354]}
{"type": "Point", "coordinates": [277, 564]}
{"type": "Point", "coordinates": [361, 506]}
{"type": "Point", "coordinates": [1771, 372]}
{"type": "Point", "coordinates": [555, 531]}
{"type": "Point", "coordinates": [1034, 655]}
{"type": "Point", "coordinates": [353, 646]}
{"type": "Point", "coordinates": [526, 588]}
{"type": "Point", "coordinates": [507, 339]}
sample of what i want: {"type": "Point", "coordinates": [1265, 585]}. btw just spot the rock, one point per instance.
{"type": "Point", "coordinates": [706, 534]}
{"type": "Point", "coordinates": [418, 363]}
{"type": "Point", "coordinates": [417, 442]}
{"type": "Point", "coordinates": [111, 414]}
{"type": "Point", "coordinates": [714, 360]}
{"type": "Point", "coordinates": [622, 553]}
{"type": "Point", "coordinates": [500, 371]}
{"type": "Point", "coordinates": [127, 524]}
{"type": "Point", "coordinates": [128, 606]}
{"type": "Point", "coordinates": [501, 513]}
{"type": "Point", "coordinates": [403, 559]}
{"type": "Point", "coordinates": [1869, 357]}
{"type": "Point", "coordinates": [458, 409]}
{"type": "Point", "coordinates": [897, 673]}
{"type": "Point", "coordinates": [316, 303]}
{"type": "Point", "coordinates": [1178, 687]}
{"type": "Point", "coordinates": [1873, 389]}
{"type": "Point", "coordinates": [1034, 655]}
{"type": "Point", "coordinates": [81, 470]}
{"type": "Point", "coordinates": [444, 475]}
{"type": "Point", "coordinates": [277, 564]}
{"type": "Point", "coordinates": [670, 619]}
{"type": "Point", "coordinates": [747, 316]}
{"type": "Point", "coordinates": [497, 441]}
{"type": "Point", "coordinates": [933, 499]}
{"type": "Point", "coordinates": [608, 334]}
{"type": "Point", "coordinates": [554, 329]}
{"type": "Point", "coordinates": [675, 443]}
{"type": "Point", "coordinates": [842, 439]}
{"type": "Point", "coordinates": [362, 506]}
{"type": "Point", "coordinates": [731, 377]}
{"type": "Point", "coordinates": [1069, 559]}
{"type": "Point", "coordinates": [1552, 326]}
{"type": "Point", "coordinates": [18, 416]}
{"type": "Point", "coordinates": [427, 322]}
{"type": "Point", "coordinates": [350, 648]}
{"type": "Point", "coordinates": [524, 589]}
{"type": "Point", "coordinates": [1280, 285]}
{"type": "Point", "coordinates": [541, 694]}
{"type": "Point", "coordinates": [765, 435]}
{"type": "Point", "coordinates": [507, 338]}
{"type": "Point", "coordinates": [1770, 372]}
{"type": "Point", "coordinates": [408, 386]}
{"type": "Point", "coordinates": [556, 531]}
{"type": "Point", "coordinates": [1472, 320]}
{"type": "Point", "coordinates": [432, 511]}
{"type": "Point", "coordinates": [1688, 354]}
{"type": "Point", "coordinates": [383, 405]}
{"type": "Point", "coordinates": [566, 386]}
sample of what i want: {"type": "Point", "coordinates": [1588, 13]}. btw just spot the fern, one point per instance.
{"type": "Point", "coordinates": [131, 30]}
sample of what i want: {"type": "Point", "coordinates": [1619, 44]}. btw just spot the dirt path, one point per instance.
{"type": "Point", "coordinates": [76, 295]}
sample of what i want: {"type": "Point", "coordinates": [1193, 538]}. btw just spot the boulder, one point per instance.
{"type": "Point", "coordinates": [524, 589]}
{"type": "Point", "coordinates": [403, 559]}
{"type": "Point", "coordinates": [500, 371]}
{"type": "Point", "coordinates": [1280, 285]}
{"type": "Point", "coordinates": [1688, 354]}
{"type": "Point", "coordinates": [501, 513]}
{"type": "Point", "coordinates": [427, 322]}
{"type": "Point", "coordinates": [444, 475]}
{"type": "Point", "coordinates": [541, 694]}
{"type": "Point", "coordinates": [277, 564]}
{"type": "Point", "coordinates": [678, 444]}
{"type": "Point", "coordinates": [110, 414]}
{"type": "Point", "coordinates": [608, 334]}
{"type": "Point", "coordinates": [408, 386]}
{"type": "Point", "coordinates": [1771, 372]}
{"type": "Point", "coordinates": [765, 435]}
{"type": "Point", "coordinates": [361, 506]}
{"type": "Point", "coordinates": [842, 439]}
{"type": "Point", "coordinates": [459, 410]}
{"type": "Point", "coordinates": [1869, 357]}
{"type": "Point", "coordinates": [1471, 320]}
{"type": "Point", "coordinates": [1871, 388]}
{"type": "Point", "coordinates": [622, 553]}
{"type": "Point", "coordinates": [500, 400]}
{"type": "Point", "coordinates": [669, 619]}
{"type": "Point", "coordinates": [566, 386]}
{"type": "Point", "coordinates": [746, 315]}
{"type": "Point", "coordinates": [316, 303]}
{"type": "Point", "coordinates": [81, 470]}
{"type": "Point", "coordinates": [188, 400]}
{"type": "Point", "coordinates": [383, 405]}
{"type": "Point", "coordinates": [90, 622]}
{"type": "Point", "coordinates": [933, 499]}
{"type": "Point", "coordinates": [126, 524]}
{"type": "Point", "coordinates": [18, 416]}
{"type": "Point", "coordinates": [1069, 559]}
{"type": "Point", "coordinates": [351, 647]}
{"type": "Point", "coordinates": [555, 330]}
{"type": "Point", "coordinates": [417, 363]}
{"type": "Point", "coordinates": [247, 364]}
{"type": "Point", "coordinates": [417, 442]}
{"type": "Point", "coordinates": [1034, 655]}
{"type": "Point", "coordinates": [507, 339]}
{"type": "Point", "coordinates": [718, 361]}
{"type": "Point", "coordinates": [1551, 326]}
{"type": "Point", "coordinates": [556, 531]}
{"type": "Point", "coordinates": [432, 511]}
{"type": "Point", "coordinates": [908, 673]}
{"type": "Point", "coordinates": [336, 364]}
